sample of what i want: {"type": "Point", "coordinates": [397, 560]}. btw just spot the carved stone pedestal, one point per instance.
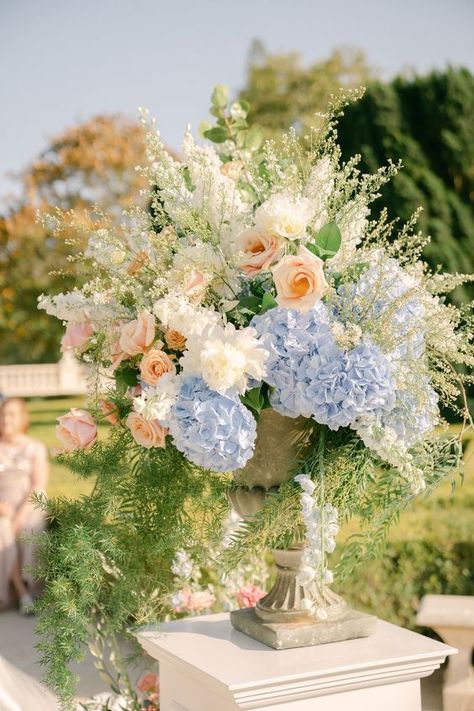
{"type": "Point", "coordinates": [206, 665]}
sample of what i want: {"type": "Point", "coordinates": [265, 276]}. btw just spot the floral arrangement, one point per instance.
{"type": "Point", "coordinates": [257, 279]}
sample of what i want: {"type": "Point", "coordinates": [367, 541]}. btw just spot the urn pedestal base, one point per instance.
{"type": "Point", "coordinates": [206, 665]}
{"type": "Point", "coordinates": [288, 635]}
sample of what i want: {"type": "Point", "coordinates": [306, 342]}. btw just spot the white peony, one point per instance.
{"type": "Point", "coordinates": [225, 358]}
{"type": "Point", "coordinates": [177, 314]}
{"type": "Point", "coordinates": [284, 216]}
{"type": "Point", "coordinates": [155, 402]}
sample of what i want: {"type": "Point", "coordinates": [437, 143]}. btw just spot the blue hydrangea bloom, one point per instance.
{"type": "Point", "coordinates": [415, 413]}
{"type": "Point", "coordinates": [291, 338]}
{"type": "Point", "coordinates": [214, 431]}
{"type": "Point", "coordinates": [344, 385]}
{"type": "Point", "coordinates": [313, 377]}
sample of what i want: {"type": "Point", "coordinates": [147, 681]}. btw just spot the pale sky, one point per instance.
{"type": "Point", "coordinates": [62, 61]}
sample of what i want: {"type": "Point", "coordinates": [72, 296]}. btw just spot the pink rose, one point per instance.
{"type": "Point", "coordinates": [259, 251]}
{"type": "Point", "coordinates": [76, 335]}
{"type": "Point", "coordinates": [149, 683]}
{"type": "Point", "coordinates": [109, 410]}
{"type": "Point", "coordinates": [249, 595]}
{"type": "Point", "coordinates": [148, 433]}
{"type": "Point", "coordinates": [299, 280]}
{"type": "Point", "coordinates": [154, 364]}
{"type": "Point", "coordinates": [138, 335]}
{"type": "Point", "coordinates": [76, 430]}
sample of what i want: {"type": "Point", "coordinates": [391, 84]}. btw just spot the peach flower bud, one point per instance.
{"type": "Point", "coordinates": [76, 430]}
{"type": "Point", "coordinates": [138, 263]}
{"type": "Point", "coordinates": [136, 336]}
{"type": "Point", "coordinates": [299, 280]}
{"type": "Point", "coordinates": [249, 595]}
{"type": "Point", "coordinates": [109, 410]}
{"type": "Point", "coordinates": [259, 251]}
{"type": "Point", "coordinates": [148, 433]}
{"type": "Point", "coordinates": [232, 169]}
{"type": "Point", "coordinates": [154, 364]}
{"type": "Point", "coordinates": [148, 683]}
{"type": "Point", "coordinates": [175, 340]}
{"type": "Point", "coordinates": [76, 335]}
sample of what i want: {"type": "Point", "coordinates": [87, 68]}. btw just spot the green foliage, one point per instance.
{"type": "Point", "coordinates": [426, 122]}
{"type": "Point", "coordinates": [440, 563]}
{"type": "Point", "coordinates": [327, 242]}
{"type": "Point", "coordinates": [108, 555]}
{"type": "Point", "coordinates": [282, 92]}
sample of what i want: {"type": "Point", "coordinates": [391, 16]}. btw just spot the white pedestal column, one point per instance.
{"type": "Point", "coordinates": [205, 665]}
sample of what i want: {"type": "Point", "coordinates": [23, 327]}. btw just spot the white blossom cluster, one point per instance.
{"type": "Point", "coordinates": [321, 524]}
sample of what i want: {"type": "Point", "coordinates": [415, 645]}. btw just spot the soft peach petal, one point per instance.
{"type": "Point", "coordinates": [299, 280]}
{"type": "Point", "coordinates": [147, 433]}
{"type": "Point", "coordinates": [154, 364]}
{"type": "Point", "coordinates": [137, 335]}
{"type": "Point", "coordinates": [259, 251]}
{"type": "Point", "coordinates": [76, 335]}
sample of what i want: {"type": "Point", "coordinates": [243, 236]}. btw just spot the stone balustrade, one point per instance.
{"type": "Point", "coordinates": [66, 377]}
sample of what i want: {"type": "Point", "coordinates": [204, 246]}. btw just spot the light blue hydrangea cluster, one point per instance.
{"type": "Point", "coordinates": [378, 292]}
{"type": "Point", "coordinates": [214, 431]}
{"type": "Point", "coordinates": [313, 377]}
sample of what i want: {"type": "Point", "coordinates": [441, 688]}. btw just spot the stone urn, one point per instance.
{"type": "Point", "coordinates": [283, 618]}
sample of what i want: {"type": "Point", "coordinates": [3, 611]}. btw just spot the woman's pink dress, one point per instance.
{"type": "Point", "coordinates": [16, 472]}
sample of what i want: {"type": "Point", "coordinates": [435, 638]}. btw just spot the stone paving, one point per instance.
{"type": "Point", "coordinates": [17, 646]}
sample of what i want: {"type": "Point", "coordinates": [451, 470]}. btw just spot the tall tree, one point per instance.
{"type": "Point", "coordinates": [91, 164]}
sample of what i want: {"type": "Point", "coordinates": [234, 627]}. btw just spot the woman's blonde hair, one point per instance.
{"type": "Point", "coordinates": [22, 405]}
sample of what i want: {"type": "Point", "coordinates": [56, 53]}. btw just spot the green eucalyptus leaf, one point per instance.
{"type": "Point", "coordinates": [220, 96]}
{"type": "Point", "coordinates": [244, 105]}
{"type": "Point", "coordinates": [254, 399]}
{"type": "Point", "coordinates": [254, 138]}
{"type": "Point", "coordinates": [252, 303]}
{"type": "Point", "coordinates": [217, 134]}
{"type": "Point", "coordinates": [329, 238]}
{"type": "Point", "coordinates": [216, 111]}
{"type": "Point", "coordinates": [127, 375]}
{"type": "Point", "coordinates": [268, 302]}
{"type": "Point", "coordinates": [247, 191]}
{"type": "Point", "coordinates": [203, 127]}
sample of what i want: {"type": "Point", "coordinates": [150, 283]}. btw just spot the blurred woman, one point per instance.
{"type": "Point", "coordinates": [23, 470]}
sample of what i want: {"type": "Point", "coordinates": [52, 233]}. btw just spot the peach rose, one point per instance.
{"type": "Point", "coordinates": [109, 410]}
{"type": "Point", "coordinates": [194, 601]}
{"type": "Point", "coordinates": [148, 433]}
{"type": "Point", "coordinates": [149, 683]}
{"type": "Point", "coordinates": [136, 336]}
{"type": "Point", "coordinates": [76, 335]}
{"type": "Point", "coordinates": [175, 340]}
{"type": "Point", "coordinates": [299, 280]}
{"type": "Point", "coordinates": [249, 595]}
{"type": "Point", "coordinates": [76, 430]}
{"type": "Point", "coordinates": [259, 251]}
{"type": "Point", "coordinates": [154, 364]}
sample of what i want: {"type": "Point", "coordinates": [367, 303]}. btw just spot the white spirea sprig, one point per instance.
{"type": "Point", "coordinates": [321, 524]}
